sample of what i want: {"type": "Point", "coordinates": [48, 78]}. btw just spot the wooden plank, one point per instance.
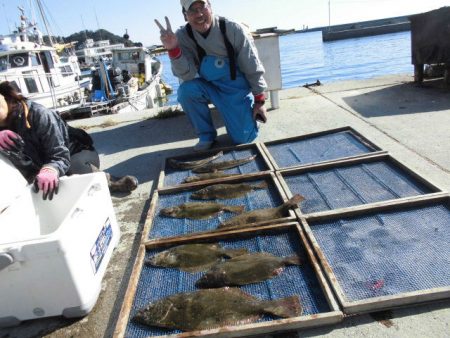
{"type": "Point", "coordinates": [150, 216]}
{"type": "Point", "coordinates": [306, 136]}
{"type": "Point", "coordinates": [316, 266]}
{"type": "Point", "coordinates": [324, 263]}
{"type": "Point", "coordinates": [266, 157]}
{"type": "Point", "coordinates": [280, 325]}
{"type": "Point", "coordinates": [213, 237]}
{"type": "Point", "coordinates": [306, 167]}
{"type": "Point", "coordinates": [364, 140]}
{"type": "Point", "coordinates": [230, 230]}
{"type": "Point", "coordinates": [342, 162]}
{"type": "Point", "coordinates": [421, 179]}
{"type": "Point", "coordinates": [363, 209]}
{"type": "Point", "coordinates": [127, 303]}
{"type": "Point", "coordinates": [395, 301]}
{"type": "Point", "coordinates": [273, 163]}
{"type": "Point", "coordinates": [369, 144]}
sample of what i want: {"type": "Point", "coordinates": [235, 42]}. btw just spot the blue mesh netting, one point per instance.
{"type": "Point", "coordinates": [317, 149]}
{"type": "Point", "coordinates": [389, 253]}
{"type": "Point", "coordinates": [176, 176]}
{"type": "Point", "coordinates": [353, 185]}
{"type": "Point", "coordinates": [169, 227]}
{"type": "Point", "coordinates": [156, 283]}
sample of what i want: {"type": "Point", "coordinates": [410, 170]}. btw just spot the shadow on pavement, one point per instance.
{"type": "Point", "coordinates": [407, 98]}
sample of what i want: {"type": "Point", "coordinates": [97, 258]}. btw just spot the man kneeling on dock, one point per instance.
{"type": "Point", "coordinates": [216, 61]}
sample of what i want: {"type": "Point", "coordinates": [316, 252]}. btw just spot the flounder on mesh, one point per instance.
{"type": "Point", "coordinates": [213, 308]}
{"type": "Point", "coordinates": [193, 257]}
{"type": "Point", "coordinates": [216, 166]}
{"type": "Point", "coordinates": [245, 269]}
{"type": "Point", "coordinates": [226, 191]}
{"type": "Point", "coordinates": [192, 164]}
{"type": "Point", "coordinates": [261, 215]}
{"type": "Point", "coordinates": [207, 176]}
{"type": "Point", "coordinates": [200, 210]}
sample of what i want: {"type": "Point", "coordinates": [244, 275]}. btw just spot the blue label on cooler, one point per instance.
{"type": "Point", "coordinates": [98, 250]}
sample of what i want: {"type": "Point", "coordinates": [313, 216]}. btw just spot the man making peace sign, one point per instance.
{"type": "Point", "coordinates": [216, 61]}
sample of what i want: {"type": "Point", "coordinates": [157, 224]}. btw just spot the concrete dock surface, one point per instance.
{"type": "Point", "coordinates": [410, 121]}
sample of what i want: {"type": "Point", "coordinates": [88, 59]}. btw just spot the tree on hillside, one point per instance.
{"type": "Point", "coordinates": [100, 34]}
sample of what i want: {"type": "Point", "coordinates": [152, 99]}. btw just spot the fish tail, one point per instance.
{"type": "Point", "coordinates": [191, 179]}
{"type": "Point", "coordinates": [292, 260]}
{"type": "Point", "coordinates": [285, 307]}
{"type": "Point", "coordinates": [173, 163]}
{"type": "Point", "coordinates": [296, 199]}
{"type": "Point", "coordinates": [239, 209]}
{"type": "Point", "coordinates": [235, 252]}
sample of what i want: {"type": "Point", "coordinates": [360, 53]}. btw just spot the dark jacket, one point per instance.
{"type": "Point", "coordinates": [48, 141]}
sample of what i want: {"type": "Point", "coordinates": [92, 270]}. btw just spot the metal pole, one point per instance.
{"type": "Point", "coordinates": [329, 15]}
{"type": "Point", "coordinates": [41, 10]}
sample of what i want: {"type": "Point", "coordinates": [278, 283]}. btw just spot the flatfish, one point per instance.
{"type": "Point", "coordinates": [207, 176]}
{"type": "Point", "coordinates": [245, 269]}
{"type": "Point", "coordinates": [261, 215]}
{"type": "Point", "coordinates": [193, 257]}
{"type": "Point", "coordinates": [200, 210]}
{"type": "Point", "coordinates": [192, 164]}
{"type": "Point", "coordinates": [213, 308]}
{"type": "Point", "coordinates": [216, 166]}
{"type": "Point", "coordinates": [226, 191]}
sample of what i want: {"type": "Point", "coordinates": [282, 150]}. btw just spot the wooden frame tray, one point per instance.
{"type": "Point", "coordinates": [356, 245]}
{"type": "Point", "coordinates": [367, 147]}
{"type": "Point", "coordinates": [266, 237]}
{"type": "Point", "coordinates": [158, 227]}
{"type": "Point", "coordinates": [380, 177]}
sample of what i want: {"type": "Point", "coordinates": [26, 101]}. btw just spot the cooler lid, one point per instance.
{"type": "Point", "coordinates": [12, 184]}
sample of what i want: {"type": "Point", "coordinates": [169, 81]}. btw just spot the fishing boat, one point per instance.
{"type": "Point", "coordinates": [38, 71]}
{"type": "Point", "coordinates": [131, 81]}
{"type": "Point", "coordinates": [90, 52]}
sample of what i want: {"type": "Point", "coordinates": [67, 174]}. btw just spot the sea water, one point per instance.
{"type": "Point", "coordinates": [305, 58]}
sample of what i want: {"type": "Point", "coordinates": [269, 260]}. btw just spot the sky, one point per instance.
{"type": "Point", "coordinates": [66, 17]}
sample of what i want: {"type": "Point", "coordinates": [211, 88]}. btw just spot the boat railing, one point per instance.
{"type": "Point", "coordinates": [49, 77]}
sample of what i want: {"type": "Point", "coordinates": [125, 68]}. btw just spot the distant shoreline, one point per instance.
{"type": "Point", "coordinates": [361, 28]}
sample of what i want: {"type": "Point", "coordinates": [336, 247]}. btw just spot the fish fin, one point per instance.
{"type": "Point", "coordinates": [239, 209]}
{"type": "Point", "coordinates": [198, 268]}
{"type": "Point", "coordinates": [235, 252]}
{"type": "Point", "coordinates": [292, 260]}
{"type": "Point", "coordinates": [285, 307]}
{"type": "Point", "coordinates": [262, 185]}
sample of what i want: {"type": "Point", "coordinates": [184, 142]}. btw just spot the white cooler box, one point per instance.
{"type": "Point", "coordinates": [53, 254]}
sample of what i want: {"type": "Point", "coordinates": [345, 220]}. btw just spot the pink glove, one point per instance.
{"type": "Point", "coordinates": [9, 140]}
{"type": "Point", "coordinates": [47, 180]}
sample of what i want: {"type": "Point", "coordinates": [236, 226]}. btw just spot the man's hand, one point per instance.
{"type": "Point", "coordinates": [259, 112]}
{"type": "Point", "coordinates": [168, 37]}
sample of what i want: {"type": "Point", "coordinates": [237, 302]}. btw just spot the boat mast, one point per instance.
{"type": "Point", "coordinates": [41, 10]}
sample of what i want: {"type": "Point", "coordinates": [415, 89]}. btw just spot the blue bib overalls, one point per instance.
{"type": "Point", "coordinates": [232, 98]}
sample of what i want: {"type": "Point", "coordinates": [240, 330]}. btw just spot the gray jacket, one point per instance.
{"type": "Point", "coordinates": [186, 67]}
